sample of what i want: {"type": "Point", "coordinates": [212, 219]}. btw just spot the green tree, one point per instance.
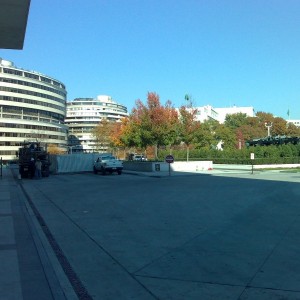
{"type": "Point", "coordinates": [205, 135]}
{"type": "Point", "coordinates": [236, 120]}
{"type": "Point", "coordinates": [227, 136]}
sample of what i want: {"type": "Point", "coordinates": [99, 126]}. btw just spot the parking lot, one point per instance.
{"type": "Point", "coordinates": [195, 236]}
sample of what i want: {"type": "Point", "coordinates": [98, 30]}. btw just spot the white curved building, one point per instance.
{"type": "Point", "coordinates": [84, 114]}
{"type": "Point", "coordinates": [32, 108]}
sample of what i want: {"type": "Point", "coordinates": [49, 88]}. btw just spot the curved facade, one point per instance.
{"type": "Point", "coordinates": [32, 108]}
{"type": "Point", "coordinates": [84, 114]}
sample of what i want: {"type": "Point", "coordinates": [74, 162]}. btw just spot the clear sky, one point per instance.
{"type": "Point", "coordinates": [221, 52]}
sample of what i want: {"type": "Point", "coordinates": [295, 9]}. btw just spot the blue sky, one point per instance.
{"type": "Point", "coordinates": [222, 53]}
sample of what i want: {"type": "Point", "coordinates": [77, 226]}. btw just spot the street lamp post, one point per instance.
{"type": "Point", "coordinates": [269, 125]}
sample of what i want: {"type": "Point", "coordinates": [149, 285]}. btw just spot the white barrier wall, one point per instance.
{"type": "Point", "coordinates": [192, 166]}
{"type": "Point", "coordinates": [72, 163]}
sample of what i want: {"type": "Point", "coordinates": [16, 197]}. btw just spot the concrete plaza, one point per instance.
{"type": "Point", "coordinates": [211, 235]}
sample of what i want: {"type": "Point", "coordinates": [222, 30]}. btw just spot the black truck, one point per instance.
{"type": "Point", "coordinates": [28, 155]}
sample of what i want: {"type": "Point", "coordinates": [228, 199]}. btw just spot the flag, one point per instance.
{"type": "Point", "coordinates": [288, 112]}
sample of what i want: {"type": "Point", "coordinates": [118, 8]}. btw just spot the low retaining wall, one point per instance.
{"type": "Point", "coordinates": [73, 163]}
{"type": "Point", "coordinates": [192, 166]}
{"type": "Point", "coordinates": [180, 166]}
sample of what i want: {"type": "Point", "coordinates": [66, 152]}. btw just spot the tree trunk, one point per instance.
{"type": "Point", "coordinates": [156, 152]}
{"type": "Point", "coordinates": [187, 152]}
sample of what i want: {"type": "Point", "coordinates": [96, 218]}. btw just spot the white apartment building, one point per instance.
{"type": "Point", "coordinates": [222, 112]}
{"type": "Point", "coordinates": [206, 112]}
{"type": "Point", "coordinates": [32, 108]}
{"type": "Point", "coordinates": [295, 122]}
{"type": "Point", "coordinates": [84, 114]}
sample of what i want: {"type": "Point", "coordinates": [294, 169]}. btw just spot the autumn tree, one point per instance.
{"type": "Point", "coordinates": [102, 133]}
{"type": "Point", "coordinates": [156, 124]}
{"type": "Point", "coordinates": [279, 126]}
{"type": "Point", "coordinates": [54, 149]}
{"type": "Point", "coordinates": [292, 129]}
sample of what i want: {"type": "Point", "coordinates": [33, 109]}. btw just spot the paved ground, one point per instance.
{"type": "Point", "coordinates": [216, 235]}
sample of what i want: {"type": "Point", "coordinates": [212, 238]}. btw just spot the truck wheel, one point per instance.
{"type": "Point", "coordinates": [119, 172]}
{"type": "Point", "coordinates": [103, 171]}
{"type": "Point", "coordinates": [95, 171]}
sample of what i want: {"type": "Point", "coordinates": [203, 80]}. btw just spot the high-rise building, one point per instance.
{"type": "Point", "coordinates": [84, 114]}
{"type": "Point", "coordinates": [32, 108]}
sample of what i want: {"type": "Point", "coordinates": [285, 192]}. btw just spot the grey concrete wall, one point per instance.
{"type": "Point", "coordinates": [145, 166]}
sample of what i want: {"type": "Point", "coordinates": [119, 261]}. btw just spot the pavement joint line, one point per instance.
{"type": "Point", "coordinates": [272, 289]}
{"type": "Point", "coordinates": [190, 280]}
{"type": "Point", "coordinates": [217, 283]}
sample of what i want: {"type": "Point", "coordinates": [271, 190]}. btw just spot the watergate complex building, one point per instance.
{"type": "Point", "coordinates": [84, 114]}
{"type": "Point", "coordinates": [32, 108]}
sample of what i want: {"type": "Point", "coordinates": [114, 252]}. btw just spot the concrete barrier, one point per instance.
{"type": "Point", "coordinates": [179, 166]}
{"type": "Point", "coordinates": [192, 166]}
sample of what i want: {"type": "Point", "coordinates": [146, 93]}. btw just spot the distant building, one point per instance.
{"type": "Point", "coordinates": [32, 108]}
{"type": "Point", "coordinates": [208, 112]}
{"type": "Point", "coordinates": [223, 112]}
{"type": "Point", "coordinates": [84, 114]}
{"type": "Point", "coordinates": [295, 122]}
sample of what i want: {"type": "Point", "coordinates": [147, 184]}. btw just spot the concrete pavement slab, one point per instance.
{"type": "Point", "coordinates": [178, 237]}
{"type": "Point", "coordinates": [7, 235]}
{"type": "Point", "coordinates": [282, 269]}
{"type": "Point", "coordinates": [10, 287]}
{"type": "Point", "coordinates": [178, 290]}
{"type": "Point", "coordinates": [5, 207]}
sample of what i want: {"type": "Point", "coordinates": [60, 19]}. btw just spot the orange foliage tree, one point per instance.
{"type": "Point", "coordinates": [153, 124]}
